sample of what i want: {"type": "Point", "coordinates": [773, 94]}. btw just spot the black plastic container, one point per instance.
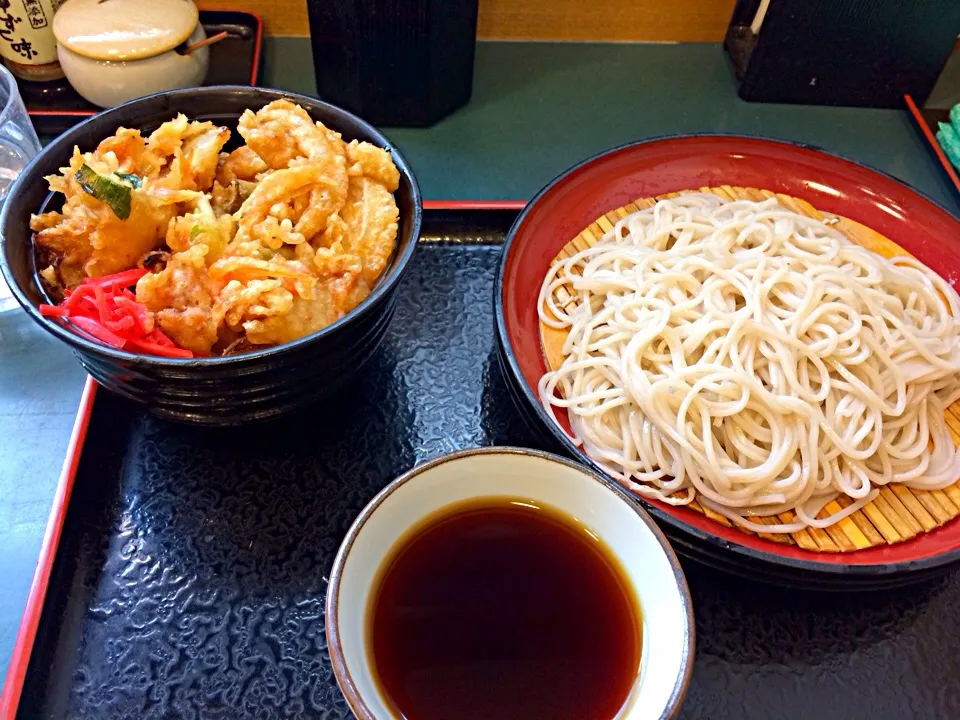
{"type": "Point", "coordinates": [841, 52]}
{"type": "Point", "coordinates": [219, 390]}
{"type": "Point", "coordinates": [395, 62]}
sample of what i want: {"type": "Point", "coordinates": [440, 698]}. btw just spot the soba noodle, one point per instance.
{"type": "Point", "coordinates": [755, 359]}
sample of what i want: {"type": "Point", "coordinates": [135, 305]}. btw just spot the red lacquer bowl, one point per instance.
{"type": "Point", "coordinates": [831, 184]}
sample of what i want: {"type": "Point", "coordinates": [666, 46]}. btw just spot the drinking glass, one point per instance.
{"type": "Point", "coordinates": [18, 145]}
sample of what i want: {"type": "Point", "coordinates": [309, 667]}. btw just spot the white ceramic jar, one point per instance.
{"type": "Point", "coordinates": [115, 50]}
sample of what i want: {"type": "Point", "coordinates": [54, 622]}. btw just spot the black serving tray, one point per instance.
{"type": "Point", "coordinates": [189, 578]}
{"type": "Point", "coordinates": [55, 106]}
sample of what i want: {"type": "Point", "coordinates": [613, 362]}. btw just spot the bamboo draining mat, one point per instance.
{"type": "Point", "coordinates": [898, 513]}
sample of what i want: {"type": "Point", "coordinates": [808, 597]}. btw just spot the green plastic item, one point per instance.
{"type": "Point", "coordinates": [955, 118]}
{"type": "Point", "coordinates": [949, 139]}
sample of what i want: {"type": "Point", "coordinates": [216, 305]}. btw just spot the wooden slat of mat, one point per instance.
{"type": "Point", "coordinates": [909, 521]}
{"type": "Point", "coordinates": [914, 506]}
{"type": "Point", "coordinates": [776, 537]}
{"type": "Point", "coordinates": [953, 492]}
{"type": "Point", "coordinates": [932, 502]}
{"type": "Point", "coordinates": [845, 533]}
{"type": "Point", "coordinates": [802, 538]}
{"type": "Point", "coordinates": [878, 518]}
{"type": "Point", "coordinates": [954, 431]}
{"type": "Point", "coordinates": [954, 410]}
{"type": "Point", "coordinates": [824, 542]}
{"type": "Point", "coordinates": [953, 422]}
{"type": "Point", "coordinates": [715, 516]}
{"type": "Point", "coordinates": [839, 536]}
{"type": "Point", "coordinates": [862, 523]}
{"type": "Point", "coordinates": [899, 512]}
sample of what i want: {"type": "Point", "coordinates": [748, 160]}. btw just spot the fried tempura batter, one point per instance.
{"type": "Point", "coordinates": [87, 236]}
{"type": "Point", "coordinates": [241, 164]}
{"type": "Point", "coordinates": [267, 243]}
{"type": "Point", "coordinates": [371, 219]}
{"type": "Point", "coordinates": [307, 157]}
{"type": "Point", "coordinates": [373, 162]}
{"type": "Point", "coordinates": [184, 300]}
{"type": "Point", "coordinates": [282, 132]}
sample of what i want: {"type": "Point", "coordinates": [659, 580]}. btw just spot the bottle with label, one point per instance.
{"type": "Point", "coordinates": [27, 44]}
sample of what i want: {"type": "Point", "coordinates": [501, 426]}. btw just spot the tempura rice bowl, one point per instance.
{"type": "Point", "coordinates": [213, 390]}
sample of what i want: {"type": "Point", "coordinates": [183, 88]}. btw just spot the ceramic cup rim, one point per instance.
{"type": "Point", "coordinates": [345, 681]}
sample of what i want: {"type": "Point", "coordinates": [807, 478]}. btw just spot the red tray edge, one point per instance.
{"type": "Point", "coordinates": [36, 596]}
{"type": "Point", "coordinates": [254, 70]}
{"type": "Point", "coordinates": [932, 140]}
{"type": "Point", "coordinates": [474, 204]}
{"type": "Point", "coordinates": [29, 621]}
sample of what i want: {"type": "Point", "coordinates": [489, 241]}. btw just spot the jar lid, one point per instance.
{"type": "Point", "coordinates": [124, 29]}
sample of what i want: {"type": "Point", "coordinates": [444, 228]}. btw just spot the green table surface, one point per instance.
{"type": "Point", "coordinates": [537, 108]}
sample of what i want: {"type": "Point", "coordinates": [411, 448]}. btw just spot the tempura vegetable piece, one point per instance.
{"type": "Point", "coordinates": [330, 300]}
{"type": "Point", "coordinates": [301, 318]}
{"type": "Point", "coordinates": [183, 299]}
{"type": "Point", "coordinates": [372, 162]}
{"type": "Point", "coordinates": [288, 140]}
{"type": "Point", "coordinates": [281, 186]}
{"type": "Point", "coordinates": [334, 262]}
{"type": "Point", "coordinates": [111, 188]}
{"type": "Point", "coordinates": [125, 152]}
{"type": "Point", "coordinates": [370, 216]}
{"type": "Point", "coordinates": [294, 274]}
{"type": "Point", "coordinates": [274, 233]}
{"type": "Point", "coordinates": [282, 132]}
{"type": "Point", "coordinates": [168, 138]}
{"type": "Point", "coordinates": [236, 178]}
{"type": "Point", "coordinates": [278, 300]}
{"type": "Point", "coordinates": [190, 150]}
{"type": "Point", "coordinates": [265, 297]}
{"type": "Point", "coordinates": [227, 199]}
{"type": "Point", "coordinates": [201, 226]}
{"type": "Point", "coordinates": [324, 182]}
{"type": "Point", "coordinates": [201, 153]}
{"type": "Point", "coordinates": [120, 198]}
{"type": "Point", "coordinates": [326, 199]}
{"type": "Point", "coordinates": [87, 234]}
{"type": "Point", "coordinates": [240, 164]}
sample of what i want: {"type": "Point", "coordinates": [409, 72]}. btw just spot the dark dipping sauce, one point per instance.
{"type": "Point", "coordinates": [503, 609]}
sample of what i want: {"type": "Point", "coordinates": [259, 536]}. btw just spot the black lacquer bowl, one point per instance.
{"type": "Point", "coordinates": [217, 390]}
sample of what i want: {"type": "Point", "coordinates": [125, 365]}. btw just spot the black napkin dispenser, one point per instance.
{"type": "Point", "coordinates": [866, 53]}
{"type": "Point", "coordinates": [394, 62]}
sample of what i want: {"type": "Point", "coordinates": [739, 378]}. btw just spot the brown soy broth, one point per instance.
{"type": "Point", "coordinates": [494, 609]}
